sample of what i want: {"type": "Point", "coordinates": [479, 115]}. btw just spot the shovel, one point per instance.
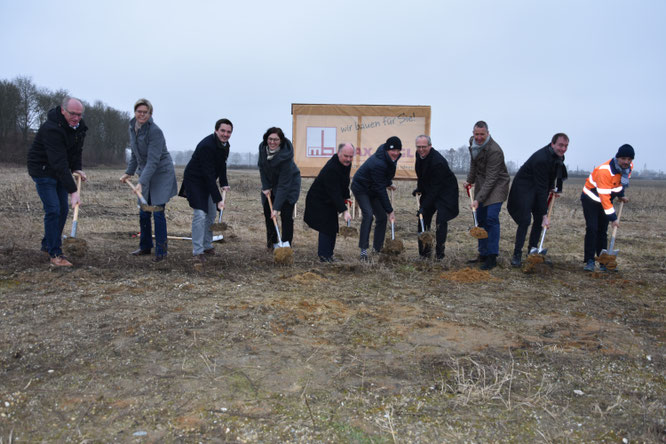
{"type": "Point", "coordinates": [477, 232]}
{"type": "Point", "coordinates": [538, 255]}
{"type": "Point", "coordinates": [73, 246]}
{"type": "Point", "coordinates": [144, 203]}
{"type": "Point", "coordinates": [283, 254]}
{"type": "Point", "coordinates": [425, 238]}
{"type": "Point", "coordinates": [219, 225]}
{"type": "Point", "coordinates": [348, 230]}
{"type": "Point", "coordinates": [394, 246]}
{"type": "Point", "coordinates": [609, 257]}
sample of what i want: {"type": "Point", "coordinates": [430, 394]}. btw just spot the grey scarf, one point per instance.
{"type": "Point", "coordinates": [270, 154]}
{"type": "Point", "coordinates": [625, 173]}
{"type": "Point", "coordinates": [476, 149]}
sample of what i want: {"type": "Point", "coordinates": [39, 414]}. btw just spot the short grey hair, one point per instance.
{"type": "Point", "coordinates": [423, 136]}
{"type": "Point", "coordinates": [481, 124]}
{"type": "Point", "coordinates": [67, 99]}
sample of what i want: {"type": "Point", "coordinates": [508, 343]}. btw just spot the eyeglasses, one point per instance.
{"type": "Point", "coordinates": [421, 147]}
{"type": "Point", "coordinates": [79, 115]}
{"type": "Point", "coordinates": [273, 139]}
{"type": "Point", "coordinates": [141, 112]}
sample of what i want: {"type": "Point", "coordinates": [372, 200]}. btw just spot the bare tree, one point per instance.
{"type": "Point", "coordinates": [27, 110]}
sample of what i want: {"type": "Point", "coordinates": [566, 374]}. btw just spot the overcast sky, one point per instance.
{"type": "Point", "coordinates": [594, 69]}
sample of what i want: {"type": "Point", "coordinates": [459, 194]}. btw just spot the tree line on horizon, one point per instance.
{"type": "Point", "coordinates": [24, 108]}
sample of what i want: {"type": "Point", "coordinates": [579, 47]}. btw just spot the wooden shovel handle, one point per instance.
{"type": "Point", "coordinates": [619, 213]}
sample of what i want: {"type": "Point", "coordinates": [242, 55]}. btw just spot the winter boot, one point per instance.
{"type": "Point", "coordinates": [517, 259]}
{"type": "Point", "coordinates": [490, 263]}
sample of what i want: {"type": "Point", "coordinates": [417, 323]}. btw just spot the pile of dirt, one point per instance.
{"type": "Point", "coordinates": [284, 256]}
{"type": "Point", "coordinates": [219, 226]}
{"type": "Point", "coordinates": [307, 278]}
{"type": "Point", "coordinates": [426, 239]}
{"type": "Point", "coordinates": [468, 275]}
{"type": "Point", "coordinates": [479, 233]}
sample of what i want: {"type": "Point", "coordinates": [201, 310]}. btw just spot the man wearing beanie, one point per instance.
{"type": "Point", "coordinates": [369, 187]}
{"type": "Point", "coordinates": [488, 174]}
{"type": "Point", "coordinates": [606, 182]}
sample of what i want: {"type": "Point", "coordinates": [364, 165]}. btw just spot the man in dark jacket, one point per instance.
{"type": "Point", "coordinates": [369, 187]}
{"type": "Point", "coordinates": [207, 165]}
{"type": "Point", "coordinates": [488, 174]}
{"type": "Point", "coordinates": [326, 199]}
{"type": "Point", "coordinates": [543, 172]}
{"type": "Point", "coordinates": [54, 155]}
{"type": "Point", "coordinates": [438, 188]}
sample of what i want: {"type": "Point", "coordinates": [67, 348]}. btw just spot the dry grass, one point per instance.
{"type": "Point", "coordinates": [386, 351]}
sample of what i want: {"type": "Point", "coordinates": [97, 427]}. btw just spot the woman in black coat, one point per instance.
{"type": "Point", "coordinates": [369, 187]}
{"type": "Point", "coordinates": [280, 182]}
{"type": "Point", "coordinates": [326, 198]}
{"type": "Point", "coordinates": [207, 165]}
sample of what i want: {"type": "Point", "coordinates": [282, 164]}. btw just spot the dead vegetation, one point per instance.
{"type": "Point", "coordinates": [119, 348]}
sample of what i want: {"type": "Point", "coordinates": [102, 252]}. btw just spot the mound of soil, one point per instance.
{"type": "Point", "coordinates": [478, 233]}
{"type": "Point", "coordinates": [468, 275]}
{"type": "Point", "coordinates": [426, 239]}
{"type": "Point", "coordinates": [307, 278]}
{"type": "Point", "coordinates": [219, 226]}
{"type": "Point", "coordinates": [348, 232]}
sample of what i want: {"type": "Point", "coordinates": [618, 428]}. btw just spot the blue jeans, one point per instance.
{"type": "Point", "coordinates": [488, 219]}
{"type": "Point", "coordinates": [146, 239]}
{"type": "Point", "coordinates": [54, 199]}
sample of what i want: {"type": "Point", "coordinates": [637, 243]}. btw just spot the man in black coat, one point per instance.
{"type": "Point", "coordinates": [207, 165]}
{"type": "Point", "coordinates": [438, 188]}
{"type": "Point", "coordinates": [326, 199]}
{"type": "Point", "coordinates": [54, 155]}
{"type": "Point", "coordinates": [543, 172]}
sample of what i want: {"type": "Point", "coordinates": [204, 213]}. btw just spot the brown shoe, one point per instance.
{"type": "Point", "coordinates": [60, 261]}
{"type": "Point", "coordinates": [210, 252]}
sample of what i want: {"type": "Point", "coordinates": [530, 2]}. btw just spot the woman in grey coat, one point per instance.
{"type": "Point", "coordinates": [157, 177]}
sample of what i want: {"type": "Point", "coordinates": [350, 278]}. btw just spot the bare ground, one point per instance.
{"type": "Point", "coordinates": [121, 349]}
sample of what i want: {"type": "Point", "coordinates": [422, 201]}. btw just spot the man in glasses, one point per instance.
{"type": "Point", "coordinates": [54, 156]}
{"type": "Point", "coordinates": [437, 188]}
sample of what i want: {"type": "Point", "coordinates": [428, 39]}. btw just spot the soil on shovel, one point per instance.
{"type": "Point", "coordinates": [478, 233]}
{"type": "Point", "coordinates": [393, 247]}
{"type": "Point", "coordinates": [608, 260]}
{"type": "Point", "coordinates": [348, 232]}
{"type": "Point", "coordinates": [426, 239]}
{"type": "Point", "coordinates": [283, 256]}
{"type": "Point", "coordinates": [75, 247]}
{"type": "Point", "coordinates": [219, 226]}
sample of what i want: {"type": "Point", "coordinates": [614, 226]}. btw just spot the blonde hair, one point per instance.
{"type": "Point", "coordinates": [145, 102]}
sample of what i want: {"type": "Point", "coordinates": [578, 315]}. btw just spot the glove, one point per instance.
{"type": "Point", "coordinates": [416, 191]}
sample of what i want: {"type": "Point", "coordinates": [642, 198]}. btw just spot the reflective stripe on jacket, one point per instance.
{"type": "Point", "coordinates": [603, 183]}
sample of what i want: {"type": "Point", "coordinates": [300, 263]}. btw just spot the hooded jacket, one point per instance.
{"type": "Point", "coordinates": [375, 175]}
{"type": "Point", "coordinates": [57, 149]}
{"type": "Point", "coordinates": [207, 165]}
{"type": "Point", "coordinates": [280, 174]}
{"type": "Point", "coordinates": [326, 197]}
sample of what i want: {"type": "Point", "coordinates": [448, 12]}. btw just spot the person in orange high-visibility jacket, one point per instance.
{"type": "Point", "coordinates": [605, 182]}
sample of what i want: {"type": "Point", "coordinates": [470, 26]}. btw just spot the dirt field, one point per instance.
{"type": "Point", "coordinates": [120, 349]}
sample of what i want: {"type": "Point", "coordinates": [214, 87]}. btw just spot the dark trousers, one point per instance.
{"type": "Point", "coordinates": [146, 238]}
{"type": "Point", "coordinates": [54, 201]}
{"type": "Point", "coordinates": [596, 227]}
{"type": "Point", "coordinates": [371, 207]}
{"type": "Point", "coordinates": [521, 232]}
{"type": "Point", "coordinates": [326, 245]}
{"type": "Point", "coordinates": [440, 233]}
{"type": "Point", "coordinates": [287, 220]}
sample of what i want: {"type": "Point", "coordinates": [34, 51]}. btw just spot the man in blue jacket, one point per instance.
{"type": "Point", "coordinates": [369, 187]}
{"type": "Point", "coordinates": [54, 155]}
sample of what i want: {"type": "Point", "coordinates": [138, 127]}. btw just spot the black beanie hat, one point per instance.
{"type": "Point", "coordinates": [393, 143]}
{"type": "Point", "coordinates": [625, 150]}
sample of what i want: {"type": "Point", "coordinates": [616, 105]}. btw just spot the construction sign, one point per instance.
{"type": "Point", "coordinates": [318, 130]}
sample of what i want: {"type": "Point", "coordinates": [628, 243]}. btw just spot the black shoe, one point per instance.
{"type": "Point", "coordinates": [160, 258]}
{"type": "Point", "coordinates": [490, 263]}
{"type": "Point", "coordinates": [439, 257]}
{"type": "Point", "coordinates": [140, 252]}
{"type": "Point", "coordinates": [210, 252]}
{"type": "Point", "coordinates": [517, 260]}
{"type": "Point", "coordinates": [479, 259]}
